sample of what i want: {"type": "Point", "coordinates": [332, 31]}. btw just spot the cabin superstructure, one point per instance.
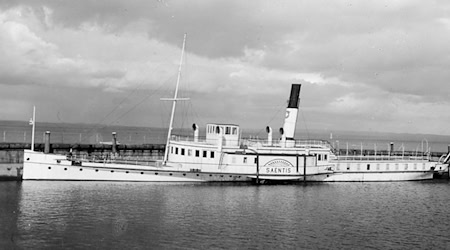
{"type": "Point", "coordinates": [223, 134]}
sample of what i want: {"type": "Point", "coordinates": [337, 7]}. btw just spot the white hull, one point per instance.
{"type": "Point", "coordinates": [40, 166]}
{"type": "Point", "coordinates": [379, 176]}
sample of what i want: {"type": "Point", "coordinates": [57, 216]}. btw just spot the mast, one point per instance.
{"type": "Point", "coordinates": [174, 102]}
{"type": "Point", "coordinates": [33, 123]}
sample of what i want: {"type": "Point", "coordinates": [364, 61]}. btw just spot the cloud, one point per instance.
{"type": "Point", "coordinates": [362, 64]}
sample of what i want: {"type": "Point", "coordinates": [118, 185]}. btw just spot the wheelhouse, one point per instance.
{"type": "Point", "coordinates": [228, 133]}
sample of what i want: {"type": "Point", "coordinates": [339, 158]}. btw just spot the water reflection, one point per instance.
{"type": "Point", "coordinates": [146, 215]}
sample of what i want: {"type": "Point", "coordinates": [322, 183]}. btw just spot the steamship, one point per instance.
{"type": "Point", "coordinates": [223, 156]}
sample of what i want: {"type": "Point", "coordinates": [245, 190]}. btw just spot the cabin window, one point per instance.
{"type": "Point", "coordinates": [189, 152]}
{"type": "Point", "coordinates": [319, 157]}
{"type": "Point", "coordinates": [171, 150]}
{"type": "Point", "coordinates": [325, 157]}
{"type": "Point", "coordinates": [406, 166]}
{"type": "Point", "coordinates": [245, 160]}
{"type": "Point", "coordinates": [176, 151]}
{"type": "Point", "coordinates": [348, 166]}
{"type": "Point", "coordinates": [227, 130]}
{"type": "Point", "coordinates": [217, 130]}
{"type": "Point", "coordinates": [212, 154]}
{"type": "Point", "coordinates": [256, 160]}
{"type": "Point", "coordinates": [234, 131]}
{"type": "Point", "coordinates": [197, 153]}
{"type": "Point", "coordinates": [205, 154]}
{"type": "Point", "coordinates": [182, 151]}
{"type": "Point", "coordinates": [368, 166]}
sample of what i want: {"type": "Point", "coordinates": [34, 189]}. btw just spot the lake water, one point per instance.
{"type": "Point", "coordinates": [117, 215]}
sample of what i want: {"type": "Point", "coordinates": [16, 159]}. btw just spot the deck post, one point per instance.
{"type": "Point", "coordinates": [47, 142]}
{"type": "Point", "coordinates": [114, 143]}
{"type": "Point", "coordinates": [304, 169]}
{"type": "Point", "coordinates": [257, 168]}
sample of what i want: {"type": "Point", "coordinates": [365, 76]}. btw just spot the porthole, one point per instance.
{"type": "Point", "coordinates": [156, 173]}
{"type": "Point", "coordinates": [65, 168]}
{"type": "Point", "coordinates": [96, 170]}
{"type": "Point", "coordinates": [58, 161]}
{"type": "Point", "coordinates": [126, 172]}
{"type": "Point", "coordinates": [221, 176]}
{"type": "Point", "coordinates": [170, 174]}
{"type": "Point", "coordinates": [210, 175]}
{"type": "Point", "coordinates": [198, 175]}
{"type": "Point", "coordinates": [28, 159]}
{"type": "Point", "coordinates": [184, 174]}
{"type": "Point", "coordinates": [49, 167]}
{"type": "Point", "coordinates": [81, 169]}
{"type": "Point", "coordinates": [231, 176]}
{"type": "Point", "coordinates": [112, 171]}
{"type": "Point", "coordinates": [142, 172]}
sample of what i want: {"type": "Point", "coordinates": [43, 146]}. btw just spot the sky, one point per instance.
{"type": "Point", "coordinates": [380, 65]}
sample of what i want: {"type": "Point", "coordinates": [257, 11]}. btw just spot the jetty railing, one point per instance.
{"type": "Point", "coordinates": [131, 137]}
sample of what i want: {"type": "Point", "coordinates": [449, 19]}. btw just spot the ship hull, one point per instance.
{"type": "Point", "coordinates": [40, 166]}
{"type": "Point", "coordinates": [379, 176]}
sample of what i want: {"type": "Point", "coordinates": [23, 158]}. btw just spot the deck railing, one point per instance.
{"type": "Point", "coordinates": [110, 158]}
{"type": "Point", "coordinates": [382, 158]}
{"type": "Point", "coordinates": [256, 142]}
